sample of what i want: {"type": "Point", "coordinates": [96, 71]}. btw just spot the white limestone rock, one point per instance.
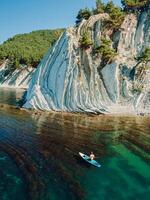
{"type": "Point", "coordinates": [74, 80]}
{"type": "Point", "coordinates": [18, 78]}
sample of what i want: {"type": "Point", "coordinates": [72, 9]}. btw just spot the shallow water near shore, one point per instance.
{"type": "Point", "coordinates": [39, 155]}
{"type": "Point", "coordinates": [10, 96]}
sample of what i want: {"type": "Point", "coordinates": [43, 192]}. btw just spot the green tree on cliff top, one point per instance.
{"type": "Point", "coordinates": [133, 5]}
{"type": "Point", "coordinates": [100, 7]}
{"type": "Point", "coordinates": [116, 14]}
{"type": "Point", "coordinates": [83, 14]}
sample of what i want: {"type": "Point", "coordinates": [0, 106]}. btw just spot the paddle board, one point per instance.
{"type": "Point", "coordinates": [88, 159]}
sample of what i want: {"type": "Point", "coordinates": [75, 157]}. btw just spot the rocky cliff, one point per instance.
{"type": "Point", "coordinates": [74, 79]}
{"type": "Point", "coordinates": [15, 78]}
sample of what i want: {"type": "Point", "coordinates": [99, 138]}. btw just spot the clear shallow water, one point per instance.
{"type": "Point", "coordinates": [39, 156]}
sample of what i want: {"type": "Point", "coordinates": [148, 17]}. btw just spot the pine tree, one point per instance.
{"type": "Point", "coordinates": [134, 5]}
{"type": "Point", "coordinates": [106, 50]}
{"type": "Point", "coordinates": [85, 41]}
{"type": "Point", "coordinates": [100, 6]}
{"type": "Point", "coordinates": [145, 56]}
{"type": "Point", "coordinates": [83, 14]}
{"type": "Point", "coordinates": [116, 15]}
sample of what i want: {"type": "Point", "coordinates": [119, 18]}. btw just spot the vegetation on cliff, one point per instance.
{"type": "Point", "coordinates": [106, 50]}
{"type": "Point", "coordinates": [100, 7]}
{"type": "Point", "coordinates": [145, 56]}
{"type": "Point", "coordinates": [141, 67]}
{"type": "Point", "coordinates": [116, 13]}
{"type": "Point", "coordinates": [111, 25]}
{"type": "Point", "coordinates": [85, 40]}
{"type": "Point", "coordinates": [83, 14]}
{"type": "Point", "coordinates": [134, 5]}
{"type": "Point", "coordinates": [28, 48]}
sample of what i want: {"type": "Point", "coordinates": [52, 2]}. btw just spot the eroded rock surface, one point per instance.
{"type": "Point", "coordinates": [15, 78]}
{"type": "Point", "coordinates": [72, 79]}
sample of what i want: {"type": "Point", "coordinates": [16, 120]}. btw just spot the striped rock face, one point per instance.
{"type": "Point", "coordinates": [73, 79]}
{"type": "Point", "coordinates": [18, 78]}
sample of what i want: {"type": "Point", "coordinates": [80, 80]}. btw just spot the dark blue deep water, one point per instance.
{"type": "Point", "coordinates": [39, 155]}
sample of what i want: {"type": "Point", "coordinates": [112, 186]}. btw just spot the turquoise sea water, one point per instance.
{"type": "Point", "coordinates": [39, 155]}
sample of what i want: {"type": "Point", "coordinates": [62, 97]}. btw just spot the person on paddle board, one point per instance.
{"type": "Point", "coordinates": [92, 156]}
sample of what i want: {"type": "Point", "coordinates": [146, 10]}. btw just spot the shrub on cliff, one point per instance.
{"type": "Point", "coordinates": [116, 15]}
{"type": "Point", "coordinates": [85, 40]}
{"type": "Point", "coordinates": [28, 48]}
{"type": "Point", "coordinates": [145, 56]}
{"type": "Point", "coordinates": [134, 5]}
{"type": "Point", "coordinates": [83, 14]}
{"type": "Point", "coordinates": [143, 62]}
{"type": "Point", "coordinates": [106, 50]}
{"type": "Point", "coordinates": [100, 7]}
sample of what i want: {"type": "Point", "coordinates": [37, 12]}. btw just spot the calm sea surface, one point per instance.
{"type": "Point", "coordinates": [39, 155]}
